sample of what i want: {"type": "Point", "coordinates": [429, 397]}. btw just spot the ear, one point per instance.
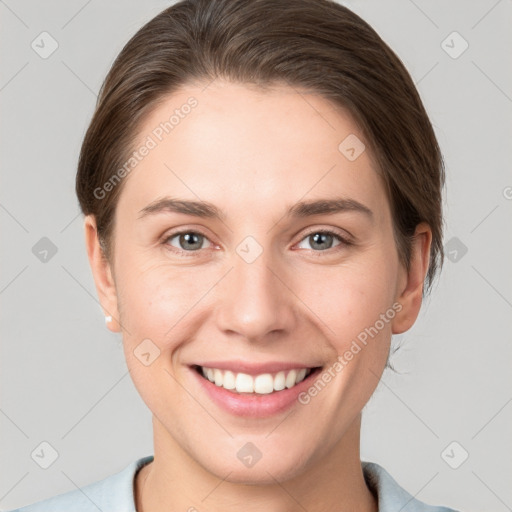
{"type": "Point", "coordinates": [410, 290]}
{"type": "Point", "coordinates": [102, 274]}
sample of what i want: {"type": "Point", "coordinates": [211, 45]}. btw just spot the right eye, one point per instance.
{"type": "Point", "coordinates": [185, 242]}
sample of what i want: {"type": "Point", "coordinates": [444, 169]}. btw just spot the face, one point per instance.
{"type": "Point", "coordinates": [255, 283]}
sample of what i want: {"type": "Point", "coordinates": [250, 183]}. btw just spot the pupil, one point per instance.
{"type": "Point", "coordinates": [186, 239]}
{"type": "Point", "coordinates": [320, 239]}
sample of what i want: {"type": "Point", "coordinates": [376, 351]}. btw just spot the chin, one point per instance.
{"type": "Point", "coordinates": [250, 466]}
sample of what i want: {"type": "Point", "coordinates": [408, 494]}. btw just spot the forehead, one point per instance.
{"type": "Point", "coordinates": [243, 147]}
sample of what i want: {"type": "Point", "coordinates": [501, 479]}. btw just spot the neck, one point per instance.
{"type": "Point", "coordinates": [175, 481]}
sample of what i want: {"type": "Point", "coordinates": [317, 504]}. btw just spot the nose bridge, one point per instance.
{"type": "Point", "coordinates": [255, 301]}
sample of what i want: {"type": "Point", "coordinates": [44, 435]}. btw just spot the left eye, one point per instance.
{"type": "Point", "coordinates": [323, 239]}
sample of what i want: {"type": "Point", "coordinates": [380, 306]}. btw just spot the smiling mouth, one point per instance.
{"type": "Point", "coordinates": [262, 384]}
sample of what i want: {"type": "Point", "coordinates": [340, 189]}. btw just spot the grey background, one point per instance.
{"type": "Point", "coordinates": [63, 377]}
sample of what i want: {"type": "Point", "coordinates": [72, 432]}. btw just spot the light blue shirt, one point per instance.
{"type": "Point", "coordinates": [116, 493]}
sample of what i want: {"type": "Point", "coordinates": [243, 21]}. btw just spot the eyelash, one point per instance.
{"type": "Point", "coordinates": [342, 239]}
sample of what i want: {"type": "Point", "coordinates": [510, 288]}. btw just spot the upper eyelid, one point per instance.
{"type": "Point", "coordinates": [332, 231]}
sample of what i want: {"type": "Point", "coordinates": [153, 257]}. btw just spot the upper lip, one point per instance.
{"type": "Point", "coordinates": [251, 368]}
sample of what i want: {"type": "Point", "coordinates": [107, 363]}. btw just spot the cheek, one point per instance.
{"type": "Point", "coordinates": [349, 298]}
{"type": "Point", "coordinates": [157, 300]}
{"type": "Point", "coordinates": [157, 304]}
{"type": "Point", "coordinates": [355, 306]}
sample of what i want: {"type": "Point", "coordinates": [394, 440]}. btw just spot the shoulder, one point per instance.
{"type": "Point", "coordinates": [390, 495]}
{"type": "Point", "coordinates": [112, 494]}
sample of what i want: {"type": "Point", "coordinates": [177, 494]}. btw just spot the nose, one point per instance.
{"type": "Point", "coordinates": [256, 301]}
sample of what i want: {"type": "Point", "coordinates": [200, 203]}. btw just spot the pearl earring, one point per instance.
{"type": "Point", "coordinates": [108, 319]}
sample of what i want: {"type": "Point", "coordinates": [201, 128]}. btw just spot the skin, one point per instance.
{"type": "Point", "coordinates": [254, 153]}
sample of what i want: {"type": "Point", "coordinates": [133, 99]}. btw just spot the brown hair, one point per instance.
{"type": "Point", "coordinates": [317, 45]}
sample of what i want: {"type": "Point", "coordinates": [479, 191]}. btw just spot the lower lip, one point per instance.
{"type": "Point", "coordinates": [252, 404]}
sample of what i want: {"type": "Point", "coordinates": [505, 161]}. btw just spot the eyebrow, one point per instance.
{"type": "Point", "coordinates": [301, 209]}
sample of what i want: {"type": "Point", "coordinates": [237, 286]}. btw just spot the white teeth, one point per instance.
{"type": "Point", "coordinates": [291, 378]}
{"type": "Point", "coordinates": [229, 380]}
{"type": "Point", "coordinates": [264, 384]}
{"type": "Point", "coordinates": [218, 377]}
{"type": "Point", "coordinates": [280, 381]}
{"type": "Point", "coordinates": [261, 384]}
{"type": "Point", "coordinates": [244, 383]}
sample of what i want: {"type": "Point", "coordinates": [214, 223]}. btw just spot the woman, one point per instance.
{"type": "Point", "coordinates": [262, 195]}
